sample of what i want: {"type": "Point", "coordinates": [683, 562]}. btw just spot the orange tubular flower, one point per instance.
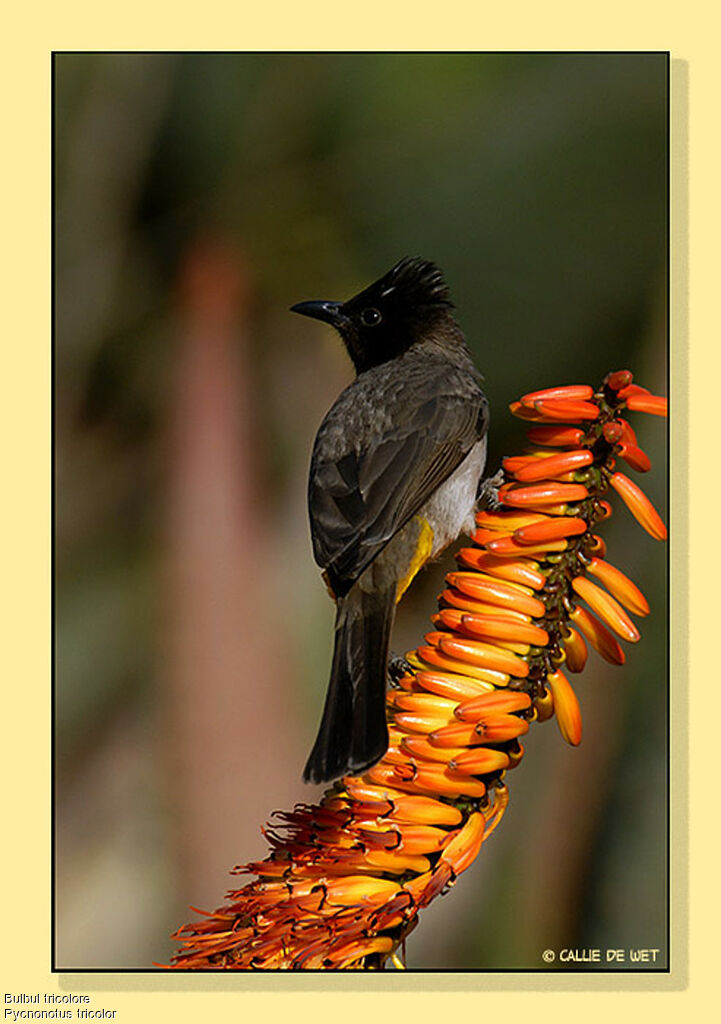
{"type": "Point", "coordinates": [639, 505]}
{"type": "Point", "coordinates": [620, 586]}
{"type": "Point", "coordinates": [346, 879]}
{"type": "Point", "coordinates": [607, 607]}
{"type": "Point", "coordinates": [576, 651]}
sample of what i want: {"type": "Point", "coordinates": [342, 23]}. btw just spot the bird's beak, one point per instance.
{"type": "Point", "coordinates": [327, 311]}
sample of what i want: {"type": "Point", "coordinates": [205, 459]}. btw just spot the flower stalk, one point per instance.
{"type": "Point", "coordinates": [346, 879]}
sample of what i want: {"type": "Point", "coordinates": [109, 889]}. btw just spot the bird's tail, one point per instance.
{"type": "Point", "coordinates": [353, 733]}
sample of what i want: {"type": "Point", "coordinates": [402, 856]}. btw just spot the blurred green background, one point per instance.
{"type": "Point", "coordinates": [198, 196]}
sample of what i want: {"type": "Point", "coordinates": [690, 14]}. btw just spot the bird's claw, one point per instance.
{"type": "Point", "coordinates": [488, 491]}
{"type": "Point", "coordinates": [397, 668]}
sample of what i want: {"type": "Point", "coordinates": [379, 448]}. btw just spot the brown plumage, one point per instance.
{"type": "Point", "coordinates": [393, 479]}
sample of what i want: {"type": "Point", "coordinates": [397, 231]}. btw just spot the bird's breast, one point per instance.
{"type": "Point", "coordinates": [450, 509]}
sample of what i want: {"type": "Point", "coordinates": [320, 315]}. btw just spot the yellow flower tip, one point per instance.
{"type": "Point", "coordinates": [454, 736]}
{"type": "Point", "coordinates": [419, 722]}
{"type": "Point", "coordinates": [597, 545]}
{"type": "Point", "coordinates": [394, 754]}
{"type": "Point", "coordinates": [480, 761]}
{"type": "Point", "coordinates": [492, 728]}
{"type": "Point", "coordinates": [607, 608]}
{"type": "Point", "coordinates": [485, 655]}
{"type": "Point", "coordinates": [425, 749]}
{"type": "Point", "coordinates": [515, 754]}
{"type": "Point", "coordinates": [542, 707]}
{"type": "Point", "coordinates": [453, 598]}
{"type": "Point", "coordinates": [445, 781]}
{"type": "Point", "coordinates": [497, 592]}
{"type": "Point", "coordinates": [484, 584]}
{"type": "Point", "coordinates": [495, 811]}
{"type": "Point", "coordinates": [600, 638]}
{"type": "Point", "coordinates": [512, 548]}
{"type": "Point", "coordinates": [455, 687]}
{"type": "Point", "coordinates": [439, 880]}
{"type": "Point", "coordinates": [424, 839]}
{"type": "Point", "coordinates": [365, 793]}
{"type": "Point", "coordinates": [507, 520]}
{"type": "Point", "coordinates": [375, 835]}
{"type": "Point", "coordinates": [448, 617]}
{"type": "Point", "coordinates": [433, 658]}
{"type": "Point", "coordinates": [395, 862]}
{"type": "Point", "coordinates": [413, 660]}
{"type": "Point", "coordinates": [462, 850]}
{"type": "Point", "coordinates": [419, 888]}
{"type": "Point", "coordinates": [620, 586]}
{"type": "Point", "coordinates": [500, 728]}
{"type": "Point", "coordinates": [576, 651]}
{"type": "Point", "coordinates": [358, 890]}
{"type": "Point", "coordinates": [423, 810]}
{"type": "Point", "coordinates": [352, 952]}
{"type": "Point", "coordinates": [520, 570]}
{"type": "Point", "coordinates": [561, 509]}
{"type": "Point", "coordinates": [566, 707]}
{"type": "Point", "coordinates": [488, 704]}
{"type": "Point", "coordinates": [639, 506]}
{"type": "Point", "coordinates": [490, 627]}
{"type": "Point", "coordinates": [483, 535]}
{"type": "Point", "coordinates": [427, 777]}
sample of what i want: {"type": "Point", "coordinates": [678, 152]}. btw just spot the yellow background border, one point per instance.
{"type": "Point", "coordinates": [25, 430]}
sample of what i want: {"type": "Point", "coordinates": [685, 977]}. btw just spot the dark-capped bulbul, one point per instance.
{"type": "Point", "coordinates": [394, 479]}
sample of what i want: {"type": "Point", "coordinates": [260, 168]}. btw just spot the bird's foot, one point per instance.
{"type": "Point", "coordinates": [488, 491]}
{"type": "Point", "coordinates": [397, 668]}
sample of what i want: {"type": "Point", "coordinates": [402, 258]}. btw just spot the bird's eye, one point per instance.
{"type": "Point", "coordinates": [370, 317]}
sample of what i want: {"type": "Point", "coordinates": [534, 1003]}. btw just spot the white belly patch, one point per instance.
{"type": "Point", "coordinates": [450, 509]}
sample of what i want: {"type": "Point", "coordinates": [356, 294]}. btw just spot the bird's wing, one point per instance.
{"type": "Point", "coordinates": [359, 498]}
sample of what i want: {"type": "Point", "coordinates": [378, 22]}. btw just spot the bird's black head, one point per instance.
{"type": "Point", "coordinates": [406, 305]}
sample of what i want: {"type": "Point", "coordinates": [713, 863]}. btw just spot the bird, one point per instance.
{"type": "Point", "coordinates": [394, 478]}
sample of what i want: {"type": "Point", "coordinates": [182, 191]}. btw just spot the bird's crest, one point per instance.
{"type": "Point", "coordinates": [420, 282]}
